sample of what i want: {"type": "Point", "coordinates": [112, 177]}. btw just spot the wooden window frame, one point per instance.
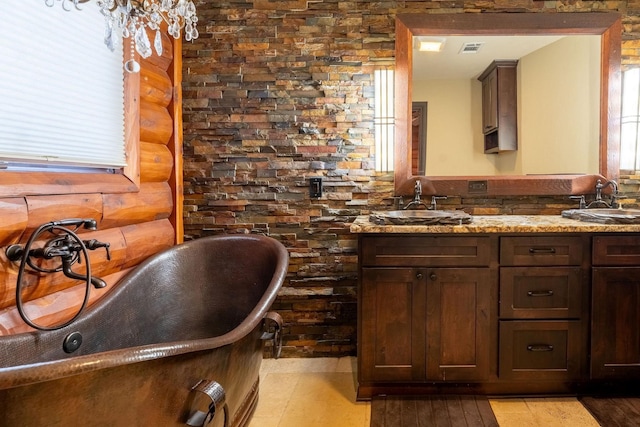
{"type": "Point", "coordinates": [126, 180]}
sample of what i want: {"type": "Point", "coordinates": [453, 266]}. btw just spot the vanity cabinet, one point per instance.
{"type": "Point", "coordinates": [615, 322]}
{"type": "Point", "coordinates": [499, 106]}
{"type": "Point", "coordinates": [425, 308]}
{"type": "Point", "coordinates": [498, 313]}
{"type": "Point", "coordinates": [543, 311]}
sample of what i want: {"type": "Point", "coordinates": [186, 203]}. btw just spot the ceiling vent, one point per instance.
{"type": "Point", "coordinates": [471, 47]}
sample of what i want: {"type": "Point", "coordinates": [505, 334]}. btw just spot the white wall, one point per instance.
{"type": "Point", "coordinates": [559, 107]}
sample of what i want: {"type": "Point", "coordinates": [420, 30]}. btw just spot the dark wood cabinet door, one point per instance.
{"type": "Point", "coordinates": [490, 102]}
{"type": "Point", "coordinates": [392, 324]}
{"type": "Point", "coordinates": [459, 324]}
{"type": "Point", "coordinates": [615, 323]}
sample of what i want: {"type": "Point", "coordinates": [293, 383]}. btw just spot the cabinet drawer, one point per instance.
{"type": "Point", "coordinates": [426, 251]}
{"type": "Point", "coordinates": [541, 250]}
{"type": "Point", "coordinates": [540, 292]}
{"type": "Point", "coordinates": [616, 250]}
{"type": "Point", "coordinates": [540, 350]}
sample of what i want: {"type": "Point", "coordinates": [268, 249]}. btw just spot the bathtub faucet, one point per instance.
{"type": "Point", "coordinates": [66, 245]}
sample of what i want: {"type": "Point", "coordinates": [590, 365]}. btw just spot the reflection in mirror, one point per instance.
{"type": "Point", "coordinates": [557, 99]}
{"type": "Point", "coordinates": [418, 137]}
{"type": "Point", "coordinates": [542, 121]}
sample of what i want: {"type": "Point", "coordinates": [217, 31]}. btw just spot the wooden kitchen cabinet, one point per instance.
{"type": "Point", "coordinates": [499, 106]}
{"type": "Point", "coordinates": [615, 315]}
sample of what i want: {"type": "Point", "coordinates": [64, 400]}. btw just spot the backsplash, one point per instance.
{"type": "Point", "coordinates": [277, 92]}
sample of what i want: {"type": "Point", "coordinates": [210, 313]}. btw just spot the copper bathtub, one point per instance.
{"type": "Point", "coordinates": [178, 341]}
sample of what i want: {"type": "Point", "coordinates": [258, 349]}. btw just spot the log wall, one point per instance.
{"type": "Point", "coordinates": [137, 219]}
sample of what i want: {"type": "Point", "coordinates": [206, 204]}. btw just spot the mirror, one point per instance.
{"type": "Point", "coordinates": [606, 26]}
{"type": "Point", "coordinates": [557, 84]}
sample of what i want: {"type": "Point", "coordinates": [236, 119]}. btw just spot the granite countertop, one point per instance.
{"type": "Point", "coordinates": [499, 224]}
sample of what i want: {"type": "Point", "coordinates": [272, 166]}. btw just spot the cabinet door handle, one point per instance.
{"type": "Point", "coordinates": [540, 347]}
{"type": "Point", "coordinates": [433, 276]}
{"type": "Point", "coordinates": [419, 276]}
{"type": "Point", "coordinates": [540, 293]}
{"type": "Point", "coordinates": [535, 251]}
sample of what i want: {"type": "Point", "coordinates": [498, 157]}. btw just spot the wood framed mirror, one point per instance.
{"type": "Point", "coordinates": [607, 25]}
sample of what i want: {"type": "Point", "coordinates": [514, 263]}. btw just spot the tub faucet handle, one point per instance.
{"type": "Point", "coordinates": [94, 244]}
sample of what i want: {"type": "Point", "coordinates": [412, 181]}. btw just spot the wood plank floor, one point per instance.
{"type": "Point", "coordinates": [432, 411]}
{"type": "Point", "coordinates": [614, 411]}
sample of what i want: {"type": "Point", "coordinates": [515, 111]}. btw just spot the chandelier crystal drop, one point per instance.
{"type": "Point", "coordinates": [132, 18]}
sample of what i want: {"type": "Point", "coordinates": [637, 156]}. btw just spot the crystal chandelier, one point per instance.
{"type": "Point", "coordinates": [131, 18]}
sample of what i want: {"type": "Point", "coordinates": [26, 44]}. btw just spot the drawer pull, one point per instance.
{"type": "Point", "coordinates": [419, 276]}
{"type": "Point", "coordinates": [536, 251]}
{"type": "Point", "coordinates": [540, 347]}
{"type": "Point", "coordinates": [548, 293]}
{"type": "Point", "coordinates": [433, 276]}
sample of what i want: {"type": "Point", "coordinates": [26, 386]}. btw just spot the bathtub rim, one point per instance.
{"type": "Point", "coordinates": [16, 376]}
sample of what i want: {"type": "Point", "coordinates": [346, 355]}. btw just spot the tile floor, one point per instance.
{"type": "Point", "coordinates": [321, 392]}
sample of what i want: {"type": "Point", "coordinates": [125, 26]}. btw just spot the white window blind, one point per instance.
{"type": "Point", "coordinates": [61, 88]}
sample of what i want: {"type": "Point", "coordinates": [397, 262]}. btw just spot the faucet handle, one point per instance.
{"type": "Point", "coordinates": [583, 203]}
{"type": "Point", "coordinates": [95, 244]}
{"type": "Point", "coordinates": [433, 201]}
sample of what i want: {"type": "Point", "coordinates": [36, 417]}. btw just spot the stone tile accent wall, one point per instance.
{"type": "Point", "coordinates": [276, 92]}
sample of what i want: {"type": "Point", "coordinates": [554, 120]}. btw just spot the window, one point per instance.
{"type": "Point", "coordinates": [384, 119]}
{"type": "Point", "coordinates": [61, 89]}
{"type": "Point", "coordinates": [629, 129]}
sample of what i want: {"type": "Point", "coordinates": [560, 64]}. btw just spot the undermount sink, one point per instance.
{"type": "Point", "coordinates": [420, 217]}
{"type": "Point", "coordinates": [604, 216]}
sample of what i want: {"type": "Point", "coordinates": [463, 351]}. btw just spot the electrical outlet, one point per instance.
{"type": "Point", "coordinates": [315, 187]}
{"type": "Point", "coordinates": [477, 186]}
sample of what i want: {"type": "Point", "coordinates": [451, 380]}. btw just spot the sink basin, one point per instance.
{"type": "Point", "coordinates": [420, 217]}
{"type": "Point", "coordinates": [604, 216]}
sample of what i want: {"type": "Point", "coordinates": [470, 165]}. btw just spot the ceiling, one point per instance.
{"type": "Point", "coordinates": [450, 64]}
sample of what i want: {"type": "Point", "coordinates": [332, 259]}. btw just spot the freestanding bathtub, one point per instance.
{"type": "Point", "coordinates": [176, 342]}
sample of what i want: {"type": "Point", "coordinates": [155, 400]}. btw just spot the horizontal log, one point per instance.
{"type": "Point", "coordinates": [155, 86]}
{"type": "Point", "coordinates": [146, 239]}
{"type": "Point", "coordinates": [36, 284]}
{"type": "Point", "coordinates": [156, 162]}
{"type": "Point", "coordinates": [152, 202]}
{"type": "Point", "coordinates": [43, 209]}
{"type": "Point", "coordinates": [56, 308]}
{"type": "Point", "coordinates": [156, 124]}
{"type": "Point", "coordinates": [16, 184]}
{"type": "Point", "coordinates": [14, 214]}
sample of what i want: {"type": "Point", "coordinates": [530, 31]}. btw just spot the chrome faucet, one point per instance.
{"type": "Point", "coordinates": [417, 194]}
{"type": "Point", "coordinates": [599, 201]}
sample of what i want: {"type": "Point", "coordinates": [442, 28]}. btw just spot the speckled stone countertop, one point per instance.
{"type": "Point", "coordinates": [499, 224]}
